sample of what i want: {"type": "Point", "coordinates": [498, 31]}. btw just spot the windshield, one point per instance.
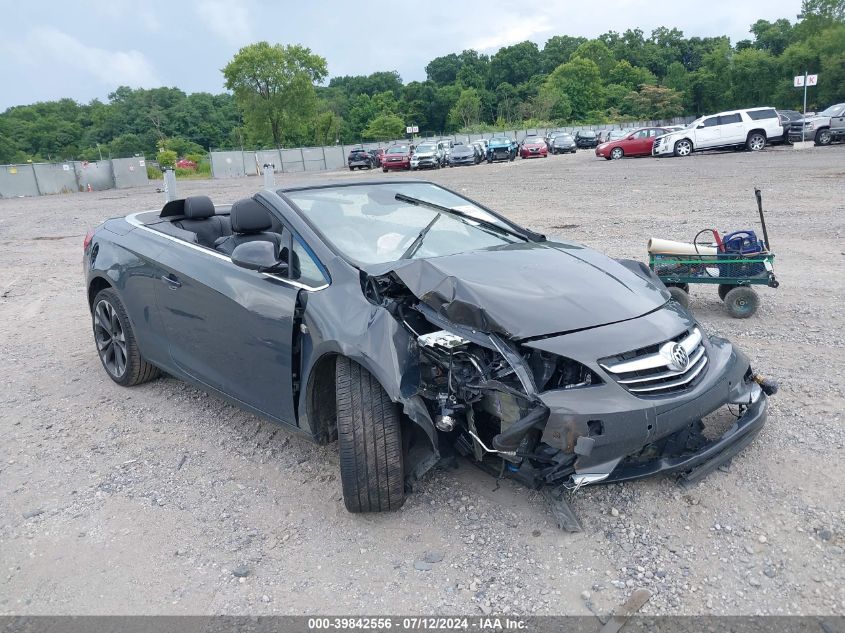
{"type": "Point", "coordinates": [369, 226]}
{"type": "Point", "coordinates": [425, 149]}
{"type": "Point", "coordinates": [500, 139]}
{"type": "Point", "coordinates": [398, 149]}
{"type": "Point", "coordinates": [833, 110]}
{"type": "Point", "coordinates": [462, 149]}
{"type": "Point", "coordinates": [617, 134]}
{"type": "Point", "coordinates": [588, 134]}
{"type": "Point", "coordinates": [563, 138]}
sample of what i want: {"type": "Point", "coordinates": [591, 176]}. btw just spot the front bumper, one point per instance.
{"type": "Point", "coordinates": [426, 161]}
{"type": "Point", "coordinates": [405, 164]}
{"type": "Point", "coordinates": [469, 160]}
{"type": "Point", "coordinates": [616, 435]}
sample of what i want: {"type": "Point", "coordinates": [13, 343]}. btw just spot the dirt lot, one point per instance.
{"type": "Point", "coordinates": [146, 500]}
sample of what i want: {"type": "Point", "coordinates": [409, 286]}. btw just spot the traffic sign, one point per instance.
{"type": "Point", "coordinates": [812, 80]}
{"type": "Point", "coordinates": [412, 129]}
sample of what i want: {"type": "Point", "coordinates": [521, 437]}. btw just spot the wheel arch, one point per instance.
{"type": "Point", "coordinates": [757, 129]}
{"type": "Point", "coordinates": [95, 286]}
{"type": "Point", "coordinates": [319, 417]}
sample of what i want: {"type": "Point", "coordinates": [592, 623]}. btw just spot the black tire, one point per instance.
{"type": "Point", "coordinates": [742, 302]}
{"type": "Point", "coordinates": [120, 358]}
{"type": "Point", "coordinates": [679, 295]}
{"type": "Point", "coordinates": [369, 440]}
{"type": "Point", "coordinates": [351, 168]}
{"type": "Point", "coordinates": [823, 137]}
{"type": "Point", "coordinates": [756, 141]}
{"type": "Point", "coordinates": [724, 289]}
{"type": "Point", "coordinates": [384, 169]}
{"type": "Point", "coordinates": [616, 153]}
{"type": "Point", "coordinates": [683, 147]}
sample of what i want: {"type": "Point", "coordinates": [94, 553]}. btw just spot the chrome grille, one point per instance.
{"type": "Point", "coordinates": [658, 370]}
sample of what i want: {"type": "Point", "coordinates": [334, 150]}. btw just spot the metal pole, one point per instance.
{"type": "Point", "coordinates": [34, 175]}
{"type": "Point", "coordinates": [269, 176]}
{"type": "Point", "coordinates": [169, 185]}
{"type": "Point", "coordinates": [803, 123]}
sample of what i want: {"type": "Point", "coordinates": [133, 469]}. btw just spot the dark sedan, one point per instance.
{"type": "Point", "coordinates": [586, 139]}
{"type": "Point", "coordinates": [359, 158]}
{"type": "Point", "coordinates": [463, 155]}
{"type": "Point", "coordinates": [563, 143]}
{"type": "Point", "coordinates": [409, 322]}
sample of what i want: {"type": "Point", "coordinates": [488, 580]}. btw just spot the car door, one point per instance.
{"type": "Point", "coordinates": [708, 133]}
{"type": "Point", "coordinates": [733, 129]}
{"type": "Point", "coordinates": [229, 328]}
{"type": "Point", "coordinates": [638, 144]}
{"type": "Point", "coordinates": [837, 121]}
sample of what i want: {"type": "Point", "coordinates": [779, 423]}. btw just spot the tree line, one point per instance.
{"type": "Point", "coordinates": [276, 96]}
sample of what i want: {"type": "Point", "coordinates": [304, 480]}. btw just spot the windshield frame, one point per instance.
{"type": "Point", "coordinates": [837, 109]}
{"type": "Point", "coordinates": [527, 234]}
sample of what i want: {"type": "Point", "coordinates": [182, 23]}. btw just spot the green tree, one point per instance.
{"type": "Point", "coordinates": [467, 109]}
{"type": "Point", "coordinates": [274, 87]}
{"type": "Point", "coordinates": [654, 102]}
{"type": "Point", "coordinates": [515, 64]}
{"type": "Point", "coordinates": [632, 77]}
{"type": "Point", "coordinates": [580, 80]}
{"type": "Point", "coordinates": [558, 50]}
{"type": "Point", "coordinates": [599, 53]}
{"type": "Point", "coordinates": [385, 127]}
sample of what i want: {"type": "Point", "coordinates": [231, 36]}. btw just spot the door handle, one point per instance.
{"type": "Point", "coordinates": [171, 281]}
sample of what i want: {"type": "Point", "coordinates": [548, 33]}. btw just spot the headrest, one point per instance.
{"type": "Point", "coordinates": [248, 216]}
{"type": "Point", "coordinates": [198, 207]}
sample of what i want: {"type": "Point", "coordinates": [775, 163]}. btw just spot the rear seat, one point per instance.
{"type": "Point", "coordinates": [200, 220]}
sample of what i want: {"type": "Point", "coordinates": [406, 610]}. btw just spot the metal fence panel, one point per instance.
{"type": "Point", "coordinates": [55, 178]}
{"type": "Point", "coordinates": [97, 175]}
{"type": "Point", "coordinates": [292, 160]}
{"type": "Point", "coordinates": [17, 181]}
{"type": "Point", "coordinates": [227, 164]}
{"type": "Point", "coordinates": [335, 158]}
{"type": "Point", "coordinates": [129, 172]}
{"type": "Point", "coordinates": [314, 159]}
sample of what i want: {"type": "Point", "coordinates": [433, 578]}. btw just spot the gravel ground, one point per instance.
{"type": "Point", "coordinates": [163, 500]}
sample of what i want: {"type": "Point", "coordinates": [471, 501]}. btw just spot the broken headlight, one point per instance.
{"type": "Point", "coordinates": [551, 371]}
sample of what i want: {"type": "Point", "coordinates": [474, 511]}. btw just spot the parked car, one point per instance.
{"type": "Point", "coordinates": [359, 158]}
{"type": "Point", "coordinates": [407, 321]}
{"type": "Point", "coordinates": [463, 155]}
{"type": "Point", "coordinates": [636, 143]}
{"type": "Point", "coordinates": [563, 143]}
{"type": "Point", "coordinates": [186, 163]}
{"type": "Point", "coordinates": [751, 128]}
{"type": "Point", "coordinates": [480, 150]}
{"type": "Point", "coordinates": [377, 155]}
{"type": "Point", "coordinates": [426, 156]}
{"type": "Point", "coordinates": [822, 128]}
{"type": "Point", "coordinates": [444, 146]}
{"type": "Point", "coordinates": [396, 157]}
{"type": "Point", "coordinates": [533, 147]}
{"type": "Point", "coordinates": [586, 139]}
{"type": "Point", "coordinates": [501, 148]}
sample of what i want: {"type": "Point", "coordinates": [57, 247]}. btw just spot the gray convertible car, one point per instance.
{"type": "Point", "coordinates": [410, 323]}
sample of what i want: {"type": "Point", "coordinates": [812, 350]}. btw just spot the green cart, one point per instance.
{"type": "Point", "coordinates": [733, 273]}
{"type": "Point", "coordinates": [725, 265]}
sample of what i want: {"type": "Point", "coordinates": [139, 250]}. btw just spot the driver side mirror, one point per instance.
{"type": "Point", "coordinates": [699, 126]}
{"type": "Point", "coordinates": [259, 255]}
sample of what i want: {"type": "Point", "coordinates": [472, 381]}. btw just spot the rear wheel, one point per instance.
{"type": "Point", "coordinates": [823, 137]}
{"type": "Point", "coordinates": [116, 344]}
{"type": "Point", "coordinates": [370, 441]}
{"type": "Point", "coordinates": [756, 141]}
{"type": "Point", "coordinates": [742, 302]}
{"type": "Point", "coordinates": [616, 153]}
{"type": "Point", "coordinates": [679, 295]}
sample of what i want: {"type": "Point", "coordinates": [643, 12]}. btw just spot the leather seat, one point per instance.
{"type": "Point", "coordinates": [250, 222]}
{"type": "Point", "coordinates": [200, 218]}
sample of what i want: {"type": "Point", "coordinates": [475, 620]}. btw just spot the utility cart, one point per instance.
{"type": "Point", "coordinates": [734, 263]}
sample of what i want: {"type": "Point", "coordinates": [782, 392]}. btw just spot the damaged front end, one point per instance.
{"type": "Point", "coordinates": [612, 402]}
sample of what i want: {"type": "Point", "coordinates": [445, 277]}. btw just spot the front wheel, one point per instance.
{"type": "Point", "coordinates": [823, 137]}
{"type": "Point", "coordinates": [384, 169]}
{"type": "Point", "coordinates": [116, 344]}
{"type": "Point", "coordinates": [683, 147]}
{"type": "Point", "coordinates": [756, 141]}
{"type": "Point", "coordinates": [616, 153]}
{"type": "Point", "coordinates": [742, 302]}
{"type": "Point", "coordinates": [369, 440]}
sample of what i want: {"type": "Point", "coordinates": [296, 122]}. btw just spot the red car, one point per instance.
{"type": "Point", "coordinates": [186, 163]}
{"type": "Point", "coordinates": [396, 157]}
{"type": "Point", "coordinates": [637, 143]}
{"type": "Point", "coordinates": [533, 147]}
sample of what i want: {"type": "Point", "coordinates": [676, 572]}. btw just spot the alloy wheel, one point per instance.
{"type": "Point", "coordinates": [110, 338]}
{"type": "Point", "coordinates": [756, 142]}
{"type": "Point", "coordinates": [617, 153]}
{"type": "Point", "coordinates": [683, 148]}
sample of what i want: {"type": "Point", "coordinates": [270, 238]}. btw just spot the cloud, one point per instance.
{"type": "Point", "coordinates": [228, 19]}
{"type": "Point", "coordinates": [516, 30]}
{"type": "Point", "coordinates": [50, 47]}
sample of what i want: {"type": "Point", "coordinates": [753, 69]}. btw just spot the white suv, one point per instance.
{"type": "Point", "coordinates": [751, 128]}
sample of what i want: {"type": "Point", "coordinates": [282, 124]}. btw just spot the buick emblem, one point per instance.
{"type": "Point", "coordinates": [680, 360]}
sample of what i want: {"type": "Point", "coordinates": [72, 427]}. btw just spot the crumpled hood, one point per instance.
{"type": "Point", "coordinates": [529, 289]}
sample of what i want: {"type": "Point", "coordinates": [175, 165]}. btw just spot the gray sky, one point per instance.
{"type": "Point", "coordinates": [86, 48]}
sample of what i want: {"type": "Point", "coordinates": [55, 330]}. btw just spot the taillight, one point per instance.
{"type": "Point", "coordinates": [87, 241]}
